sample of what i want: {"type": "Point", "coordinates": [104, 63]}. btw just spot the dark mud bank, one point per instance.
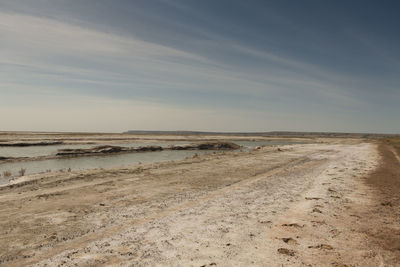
{"type": "Point", "coordinates": [25, 144]}
{"type": "Point", "coordinates": [105, 150]}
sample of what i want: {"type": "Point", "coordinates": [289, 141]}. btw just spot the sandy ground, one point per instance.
{"type": "Point", "coordinates": [306, 205]}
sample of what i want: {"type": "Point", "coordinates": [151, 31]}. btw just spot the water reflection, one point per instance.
{"type": "Point", "coordinates": [82, 163]}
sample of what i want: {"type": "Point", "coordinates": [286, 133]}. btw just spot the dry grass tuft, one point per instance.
{"type": "Point", "coordinates": [22, 172]}
{"type": "Point", "coordinates": [394, 142]}
{"type": "Point", "coordinates": [6, 173]}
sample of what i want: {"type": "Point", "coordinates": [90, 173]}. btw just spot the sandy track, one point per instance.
{"type": "Point", "coordinates": [267, 207]}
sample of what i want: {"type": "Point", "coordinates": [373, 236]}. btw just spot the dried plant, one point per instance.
{"type": "Point", "coordinates": [22, 172]}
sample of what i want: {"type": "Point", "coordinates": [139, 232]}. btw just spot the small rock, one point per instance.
{"type": "Point", "coordinates": [289, 240]}
{"type": "Point", "coordinates": [292, 225]}
{"type": "Point", "coordinates": [316, 210]}
{"type": "Point", "coordinates": [387, 203]}
{"type": "Point", "coordinates": [322, 246]}
{"type": "Point", "coordinates": [312, 198]}
{"type": "Point", "coordinates": [286, 251]}
{"type": "Point", "coordinates": [337, 264]}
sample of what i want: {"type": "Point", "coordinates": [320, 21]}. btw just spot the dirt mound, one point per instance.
{"type": "Point", "coordinates": [117, 149]}
{"type": "Point", "coordinates": [90, 151]}
{"type": "Point", "coordinates": [217, 146]}
{"type": "Point", "coordinates": [207, 146]}
{"type": "Point", "coordinates": [104, 150]}
{"type": "Point", "coordinates": [23, 144]}
{"type": "Point", "coordinates": [149, 148]}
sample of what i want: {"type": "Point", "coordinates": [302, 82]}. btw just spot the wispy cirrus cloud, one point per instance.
{"type": "Point", "coordinates": [57, 51]}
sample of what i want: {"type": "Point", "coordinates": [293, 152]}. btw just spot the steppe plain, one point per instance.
{"type": "Point", "coordinates": [331, 202]}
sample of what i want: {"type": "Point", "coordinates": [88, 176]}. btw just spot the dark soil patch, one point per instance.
{"type": "Point", "coordinates": [382, 222]}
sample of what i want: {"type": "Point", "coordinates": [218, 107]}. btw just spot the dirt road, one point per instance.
{"type": "Point", "coordinates": [301, 205]}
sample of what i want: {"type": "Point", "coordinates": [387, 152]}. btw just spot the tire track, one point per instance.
{"type": "Point", "coordinates": [113, 230]}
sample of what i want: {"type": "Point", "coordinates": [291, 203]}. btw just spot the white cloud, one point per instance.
{"type": "Point", "coordinates": [38, 56]}
{"type": "Point", "coordinates": [53, 52]}
{"type": "Point", "coordinates": [48, 46]}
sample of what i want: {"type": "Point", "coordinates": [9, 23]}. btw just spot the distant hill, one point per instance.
{"type": "Point", "coordinates": [271, 134]}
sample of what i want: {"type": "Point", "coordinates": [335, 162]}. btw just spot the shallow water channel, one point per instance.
{"type": "Point", "coordinates": [93, 162]}
{"type": "Point", "coordinates": [36, 151]}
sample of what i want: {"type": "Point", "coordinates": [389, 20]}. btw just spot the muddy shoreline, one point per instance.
{"type": "Point", "coordinates": [107, 150]}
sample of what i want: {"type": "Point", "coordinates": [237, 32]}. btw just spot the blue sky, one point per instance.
{"type": "Point", "coordinates": [207, 65]}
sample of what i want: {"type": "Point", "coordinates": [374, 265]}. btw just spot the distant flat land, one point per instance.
{"type": "Point", "coordinates": [265, 134]}
{"type": "Point", "coordinates": [109, 138]}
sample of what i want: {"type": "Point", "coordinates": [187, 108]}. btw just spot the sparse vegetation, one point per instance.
{"type": "Point", "coordinates": [6, 173]}
{"type": "Point", "coordinates": [395, 142]}
{"type": "Point", "coordinates": [22, 172]}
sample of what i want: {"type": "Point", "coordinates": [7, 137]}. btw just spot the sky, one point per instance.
{"type": "Point", "coordinates": [226, 65]}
